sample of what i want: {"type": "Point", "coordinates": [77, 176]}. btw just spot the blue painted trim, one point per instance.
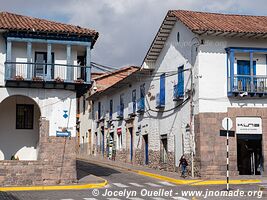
{"type": "Point", "coordinates": [29, 60]}
{"type": "Point", "coordinates": [246, 49]}
{"type": "Point", "coordinates": [251, 68]}
{"type": "Point", "coordinates": [8, 59]}
{"type": "Point", "coordinates": [88, 64]}
{"type": "Point", "coordinates": [49, 60]}
{"type": "Point", "coordinates": [69, 70]}
{"type": "Point", "coordinates": [227, 73]}
{"type": "Point", "coordinates": [65, 42]}
{"type": "Point", "coordinates": [232, 64]}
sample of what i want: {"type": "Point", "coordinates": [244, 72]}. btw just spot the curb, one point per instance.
{"type": "Point", "coordinates": [178, 181]}
{"type": "Point", "coordinates": [56, 187]}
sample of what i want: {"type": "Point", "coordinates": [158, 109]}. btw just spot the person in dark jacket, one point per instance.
{"type": "Point", "coordinates": [183, 164]}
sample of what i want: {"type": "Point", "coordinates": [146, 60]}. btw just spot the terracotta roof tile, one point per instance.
{"type": "Point", "coordinates": [108, 79]}
{"type": "Point", "coordinates": [17, 22]}
{"type": "Point", "coordinates": [202, 21]}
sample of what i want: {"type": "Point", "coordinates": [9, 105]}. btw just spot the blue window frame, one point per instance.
{"type": "Point", "coordinates": [181, 81]}
{"type": "Point", "coordinates": [162, 89]}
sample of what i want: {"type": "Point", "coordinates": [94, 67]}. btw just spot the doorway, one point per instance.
{"type": "Point", "coordinates": [249, 154]}
{"type": "Point", "coordinates": [146, 148]}
{"type": "Point", "coordinates": [41, 67]}
{"type": "Point", "coordinates": [131, 143]}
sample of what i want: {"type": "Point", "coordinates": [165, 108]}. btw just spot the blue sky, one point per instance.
{"type": "Point", "coordinates": [126, 27]}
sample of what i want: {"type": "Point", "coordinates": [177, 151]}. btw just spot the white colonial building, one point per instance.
{"type": "Point", "coordinates": [44, 66]}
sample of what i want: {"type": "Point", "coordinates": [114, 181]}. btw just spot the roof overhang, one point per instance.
{"type": "Point", "coordinates": [160, 38]}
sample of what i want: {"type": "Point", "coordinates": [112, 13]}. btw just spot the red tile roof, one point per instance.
{"type": "Point", "coordinates": [203, 21]}
{"type": "Point", "coordinates": [17, 22]}
{"type": "Point", "coordinates": [108, 79]}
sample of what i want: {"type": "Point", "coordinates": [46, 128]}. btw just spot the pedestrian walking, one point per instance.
{"type": "Point", "coordinates": [183, 164]}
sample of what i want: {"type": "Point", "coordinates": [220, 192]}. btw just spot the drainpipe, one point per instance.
{"type": "Point", "coordinates": [196, 45]}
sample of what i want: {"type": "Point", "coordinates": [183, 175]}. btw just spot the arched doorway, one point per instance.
{"type": "Point", "coordinates": [19, 128]}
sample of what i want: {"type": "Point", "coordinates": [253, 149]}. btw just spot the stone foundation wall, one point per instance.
{"type": "Point", "coordinates": [211, 148]}
{"type": "Point", "coordinates": [56, 163]}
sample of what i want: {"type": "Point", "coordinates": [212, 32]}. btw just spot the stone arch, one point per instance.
{"type": "Point", "coordinates": [19, 128]}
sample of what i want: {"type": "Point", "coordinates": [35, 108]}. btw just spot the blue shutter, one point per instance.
{"type": "Point", "coordinates": [162, 89]}
{"type": "Point", "coordinates": [181, 81]}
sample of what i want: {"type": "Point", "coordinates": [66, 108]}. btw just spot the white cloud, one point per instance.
{"type": "Point", "coordinates": [126, 27]}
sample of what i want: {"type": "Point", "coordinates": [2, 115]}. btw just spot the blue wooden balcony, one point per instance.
{"type": "Point", "coordinates": [178, 92]}
{"type": "Point", "coordinates": [44, 75]}
{"type": "Point", "coordinates": [141, 105]}
{"type": "Point", "coordinates": [120, 111]}
{"type": "Point", "coordinates": [160, 101]}
{"type": "Point", "coordinates": [246, 71]}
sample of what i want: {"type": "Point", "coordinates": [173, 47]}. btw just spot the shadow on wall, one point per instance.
{"type": "Point", "coordinates": [21, 143]}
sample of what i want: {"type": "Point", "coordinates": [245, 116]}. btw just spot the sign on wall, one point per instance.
{"type": "Point", "coordinates": [248, 125]}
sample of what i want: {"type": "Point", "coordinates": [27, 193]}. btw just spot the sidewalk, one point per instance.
{"type": "Point", "coordinates": [87, 182]}
{"type": "Point", "coordinates": [173, 177]}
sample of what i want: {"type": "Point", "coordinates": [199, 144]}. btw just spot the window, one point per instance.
{"type": "Point", "coordinates": [164, 149]}
{"type": "Point", "coordinates": [134, 100]}
{"type": "Point", "coordinates": [24, 116]}
{"type": "Point", "coordinates": [99, 110]}
{"type": "Point", "coordinates": [121, 104]}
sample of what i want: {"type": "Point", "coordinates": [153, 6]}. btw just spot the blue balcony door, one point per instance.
{"type": "Point", "coordinates": [243, 73]}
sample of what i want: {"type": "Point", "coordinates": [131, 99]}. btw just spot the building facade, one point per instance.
{"type": "Point", "coordinates": [44, 66]}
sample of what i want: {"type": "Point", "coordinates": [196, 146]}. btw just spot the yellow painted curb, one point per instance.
{"type": "Point", "coordinates": [222, 182]}
{"type": "Point", "coordinates": [165, 178]}
{"type": "Point", "coordinates": [56, 187]}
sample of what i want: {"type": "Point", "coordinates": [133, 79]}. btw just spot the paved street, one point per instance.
{"type": "Point", "coordinates": [127, 185]}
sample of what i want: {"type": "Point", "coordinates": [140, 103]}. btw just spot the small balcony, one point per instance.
{"type": "Point", "coordinates": [160, 101]}
{"type": "Point", "coordinates": [44, 75]}
{"type": "Point", "coordinates": [246, 72]}
{"type": "Point", "coordinates": [140, 105]}
{"type": "Point", "coordinates": [178, 92]}
{"type": "Point", "coordinates": [132, 109]}
{"type": "Point", "coordinates": [120, 111]}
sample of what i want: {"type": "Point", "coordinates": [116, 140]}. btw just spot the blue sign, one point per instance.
{"type": "Point", "coordinates": [65, 114]}
{"type": "Point", "coordinates": [63, 134]}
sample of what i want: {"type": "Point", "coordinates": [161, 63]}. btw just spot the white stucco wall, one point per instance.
{"type": "Point", "coordinates": [213, 69]}
{"type": "Point", "coordinates": [52, 103]}
{"type": "Point", "coordinates": [21, 143]}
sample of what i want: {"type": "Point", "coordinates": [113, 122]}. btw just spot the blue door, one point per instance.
{"type": "Point", "coordinates": [131, 143]}
{"type": "Point", "coordinates": [103, 143]}
{"type": "Point", "coordinates": [146, 149]}
{"type": "Point", "coordinates": [243, 69]}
